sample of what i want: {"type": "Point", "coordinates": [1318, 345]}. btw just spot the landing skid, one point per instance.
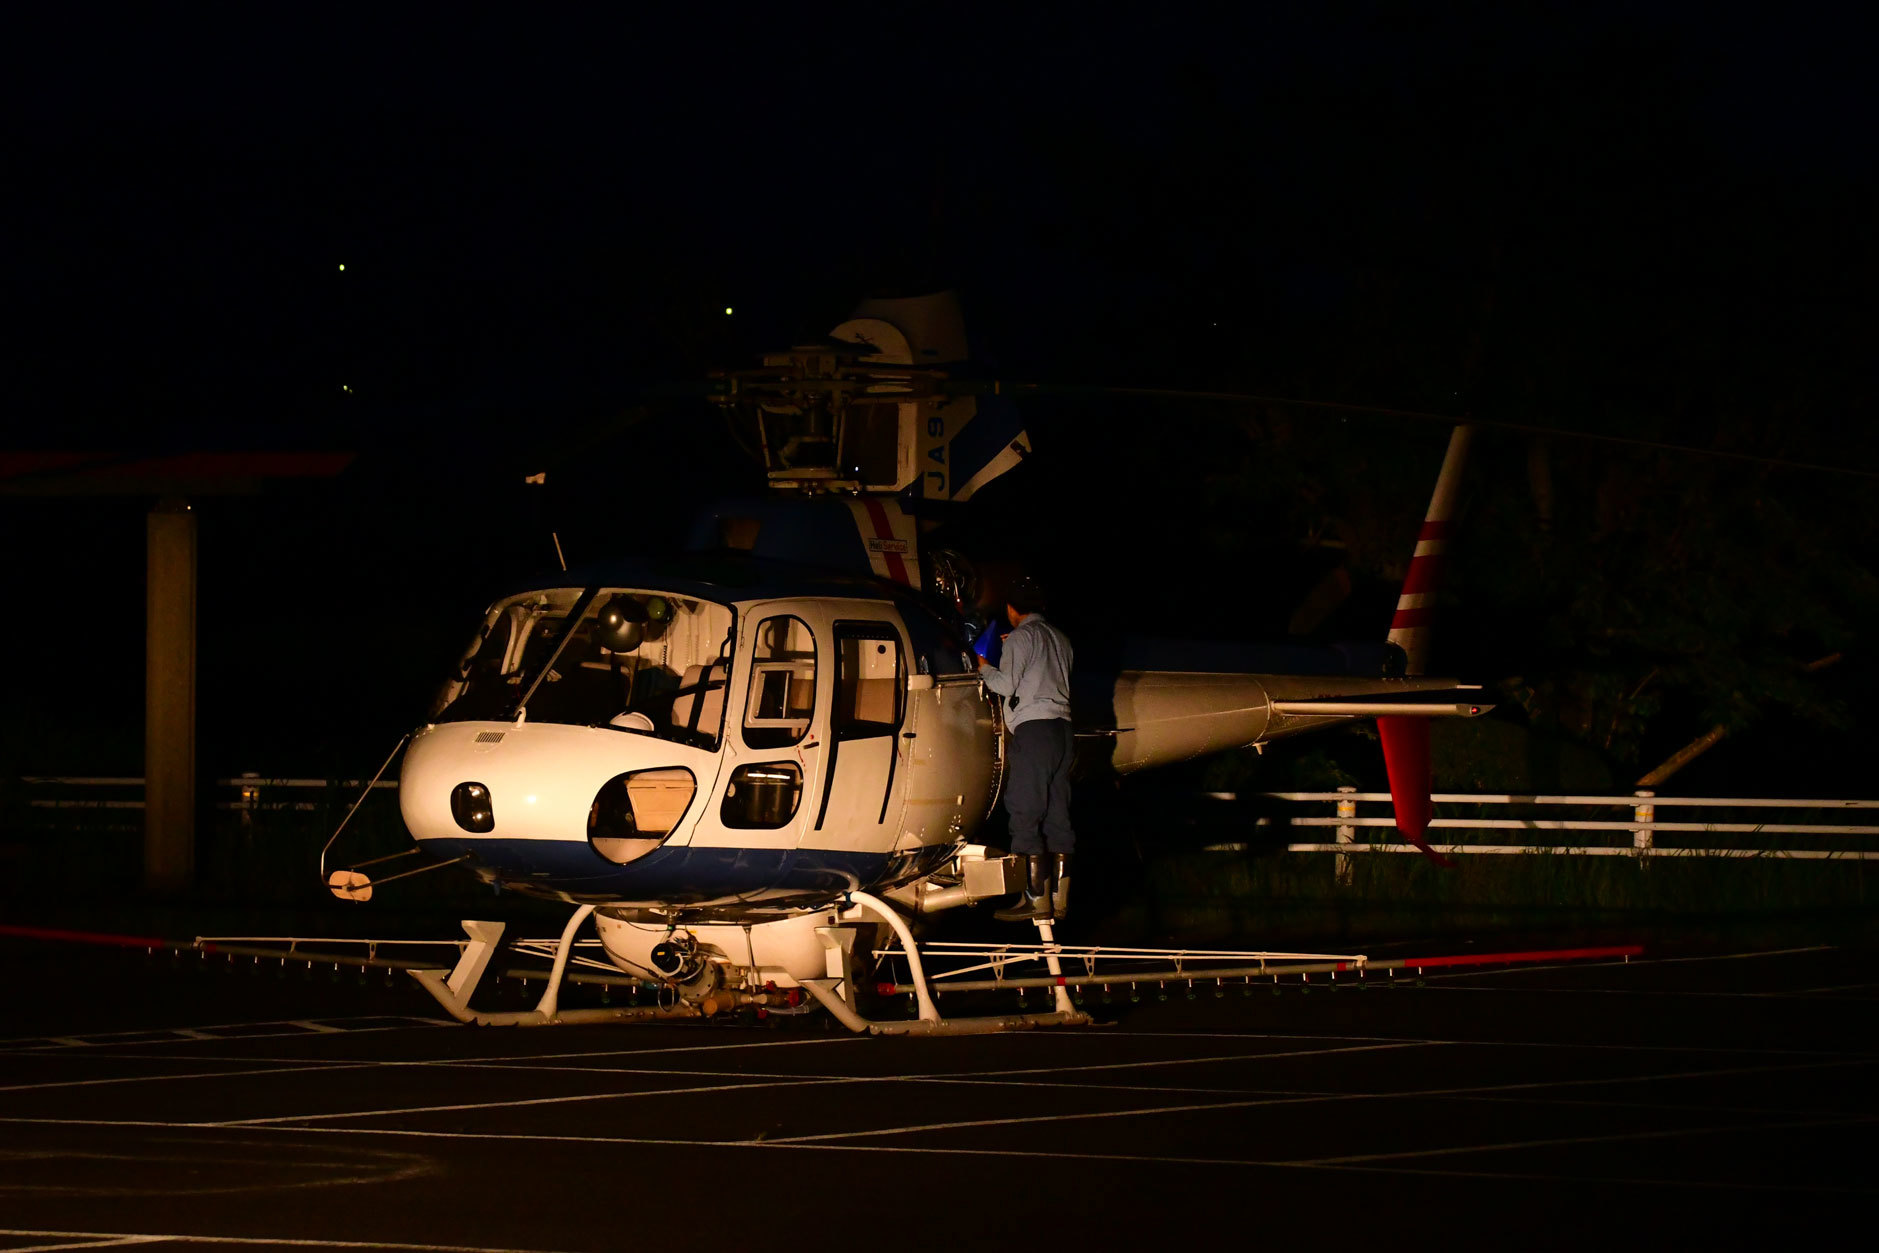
{"type": "Point", "coordinates": [454, 986]}
{"type": "Point", "coordinates": [836, 992]}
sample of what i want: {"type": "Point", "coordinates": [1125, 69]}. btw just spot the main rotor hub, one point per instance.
{"type": "Point", "coordinates": [825, 420]}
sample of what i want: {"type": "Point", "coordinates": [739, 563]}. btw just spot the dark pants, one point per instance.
{"type": "Point", "coordinates": [1037, 787]}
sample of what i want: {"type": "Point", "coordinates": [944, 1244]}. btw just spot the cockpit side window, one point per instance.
{"type": "Point", "coordinates": [488, 680]}
{"type": "Point", "coordinates": [782, 696]}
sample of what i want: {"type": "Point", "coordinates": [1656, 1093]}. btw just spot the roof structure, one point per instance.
{"type": "Point", "coordinates": [726, 575]}
{"type": "Point", "coordinates": [53, 472]}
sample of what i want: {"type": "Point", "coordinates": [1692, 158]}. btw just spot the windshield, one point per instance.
{"type": "Point", "coordinates": [627, 658]}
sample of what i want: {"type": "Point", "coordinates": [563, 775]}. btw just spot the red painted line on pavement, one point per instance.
{"type": "Point", "coordinates": [92, 937]}
{"type": "Point", "coordinates": [1544, 954]}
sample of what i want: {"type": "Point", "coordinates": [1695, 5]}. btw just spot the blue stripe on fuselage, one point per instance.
{"type": "Point", "coordinates": [685, 875]}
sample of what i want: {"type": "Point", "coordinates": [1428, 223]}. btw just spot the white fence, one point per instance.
{"type": "Point", "coordinates": [245, 792]}
{"type": "Point", "coordinates": [1356, 822]}
{"type": "Point", "coordinates": [1512, 823]}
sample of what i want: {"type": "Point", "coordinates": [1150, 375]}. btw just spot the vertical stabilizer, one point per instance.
{"type": "Point", "coordinates": [1415, 607]}
{"type": "Point", "coordinates": [1406, 739]}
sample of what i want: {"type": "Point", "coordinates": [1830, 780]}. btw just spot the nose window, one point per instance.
{"type": "Point", "coordinates": [634, 812]}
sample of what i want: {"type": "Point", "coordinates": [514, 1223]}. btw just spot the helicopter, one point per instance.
{"type": "Point", "coordinates": [729, 756]}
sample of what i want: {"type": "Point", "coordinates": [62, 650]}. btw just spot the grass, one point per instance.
{"type": "Point", "coordinates": [1209, 897]}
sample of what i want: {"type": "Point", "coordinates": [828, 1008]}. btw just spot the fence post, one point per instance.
{"type": "Point", "coordinates": [1643, 812]}
{"type": "Point", "coordinates": [1346, 808]}
{"type": "Point", "coordinates": [245, 870]}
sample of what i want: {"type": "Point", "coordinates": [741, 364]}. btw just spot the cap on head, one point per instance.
{"type": "Point", "coordinates": [1026, 595]}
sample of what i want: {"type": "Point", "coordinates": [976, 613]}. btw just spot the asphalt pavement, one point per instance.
{"type": "Point", "coordinates": [1682, 1097]}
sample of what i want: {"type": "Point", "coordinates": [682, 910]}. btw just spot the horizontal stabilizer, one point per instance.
{"type": "Point", "coordinates": [1379, 708]}
{"type": "Point", "coordinates": [1160, 717]}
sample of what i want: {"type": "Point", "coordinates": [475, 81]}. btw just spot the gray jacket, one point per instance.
{"type": "Point", "coordinates": [1033, 674]}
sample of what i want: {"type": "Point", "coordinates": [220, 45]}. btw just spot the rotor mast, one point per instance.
{"type": "Point", "coordinates": [877, 408]}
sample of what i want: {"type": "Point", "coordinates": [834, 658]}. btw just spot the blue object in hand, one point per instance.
{"type": "Point", "coordinates": [990, 645]}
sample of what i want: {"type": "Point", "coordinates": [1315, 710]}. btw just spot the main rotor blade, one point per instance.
{"type": "Point", "coordinates": [1004, 388]}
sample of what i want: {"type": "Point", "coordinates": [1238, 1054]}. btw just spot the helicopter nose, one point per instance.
{"type": "Point", "coordinates": [540, 784]}
{"type": "Point", "coordinates": [471, 806]}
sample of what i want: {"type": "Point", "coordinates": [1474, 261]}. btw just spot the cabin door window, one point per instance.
{"type": "Point", "coordinates": [764, 791]}
{"type": "Point", "coordinates": [782, 696]}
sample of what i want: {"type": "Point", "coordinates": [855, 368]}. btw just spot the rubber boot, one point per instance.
{"type": "Point", "coordinates": [1035, 902]}
{"type": "Point", "coordinates": [1060, 885]}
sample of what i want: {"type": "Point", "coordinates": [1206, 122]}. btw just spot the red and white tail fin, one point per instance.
{"type": "Point", "coordinates": [1409, 629]}
{"type": "Point", "coordinates": [1406, 739]}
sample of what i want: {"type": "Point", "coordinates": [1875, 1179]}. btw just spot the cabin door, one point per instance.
{"type": "Point", "coordinates": [769, 742]}
{"type": "Point", "coordinates": [864, 787]}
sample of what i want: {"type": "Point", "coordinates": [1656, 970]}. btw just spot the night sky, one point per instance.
{"type": "Point", "coordinates": [471, 248]}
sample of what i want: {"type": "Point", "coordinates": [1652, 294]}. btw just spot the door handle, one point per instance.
{"type": "Point", "coordinates": [906, 735]}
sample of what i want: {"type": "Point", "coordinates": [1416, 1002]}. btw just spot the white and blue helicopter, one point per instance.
{"type": "Point", "coordinates": [737, 759]}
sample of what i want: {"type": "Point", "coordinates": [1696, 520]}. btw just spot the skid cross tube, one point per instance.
{"type": "Point", "coordinates": [836, 993]}
{"type": "Point", "coordinates": [454, 992]}
{"type": "Point", "coordinates": [824, 991]}
{"type": "Point", "coordinates": [891, 916]}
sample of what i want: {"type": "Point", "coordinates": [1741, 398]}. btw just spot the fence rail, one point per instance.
{"type": "Point", "coordinates": [248, 790]}
{"type": "Point", "coordinates": [1528, 818]}
{"type": "Point", "coordinates": [1729, 827]}
{"type": "Point", "coordinates": [257, 838]}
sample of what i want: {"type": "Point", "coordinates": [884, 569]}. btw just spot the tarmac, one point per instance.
{"type": "Point", "coordinates": [1683, 1096]}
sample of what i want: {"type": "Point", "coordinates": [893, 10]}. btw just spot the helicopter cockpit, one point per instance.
{"type": "Point", "coordinates": [632, 660]}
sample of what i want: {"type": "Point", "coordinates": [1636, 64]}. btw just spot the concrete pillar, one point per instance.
{"type": "Point", "coordinates": [170, 699]}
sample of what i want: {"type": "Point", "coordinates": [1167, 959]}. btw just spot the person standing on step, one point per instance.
{"type": "Point", "coordinates": [1033, 676]}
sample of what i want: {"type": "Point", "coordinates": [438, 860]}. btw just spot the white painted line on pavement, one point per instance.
{"type": "Point", "coordinates": [539, 1100]}
{"type": "Point", "coordinates": [304, 1028]}
{"type": "Point", "coordinates": [177, 1237]}
{"type": "Point", "coordinates": [1501, 1044]}
{"type": "Point", "coordinates": [81, 1244]}
{"type": "Point", "coordinates": [170, 1078]}
{"type": "Point", "coordinates": [1055, 1155]}
{"type": "Point", "coordinates": [1423, 1094]}
{"type": "Point", "coordinates": [1193, 1061]}
{"type": "Point", "coordinates": [1361, 1159]}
